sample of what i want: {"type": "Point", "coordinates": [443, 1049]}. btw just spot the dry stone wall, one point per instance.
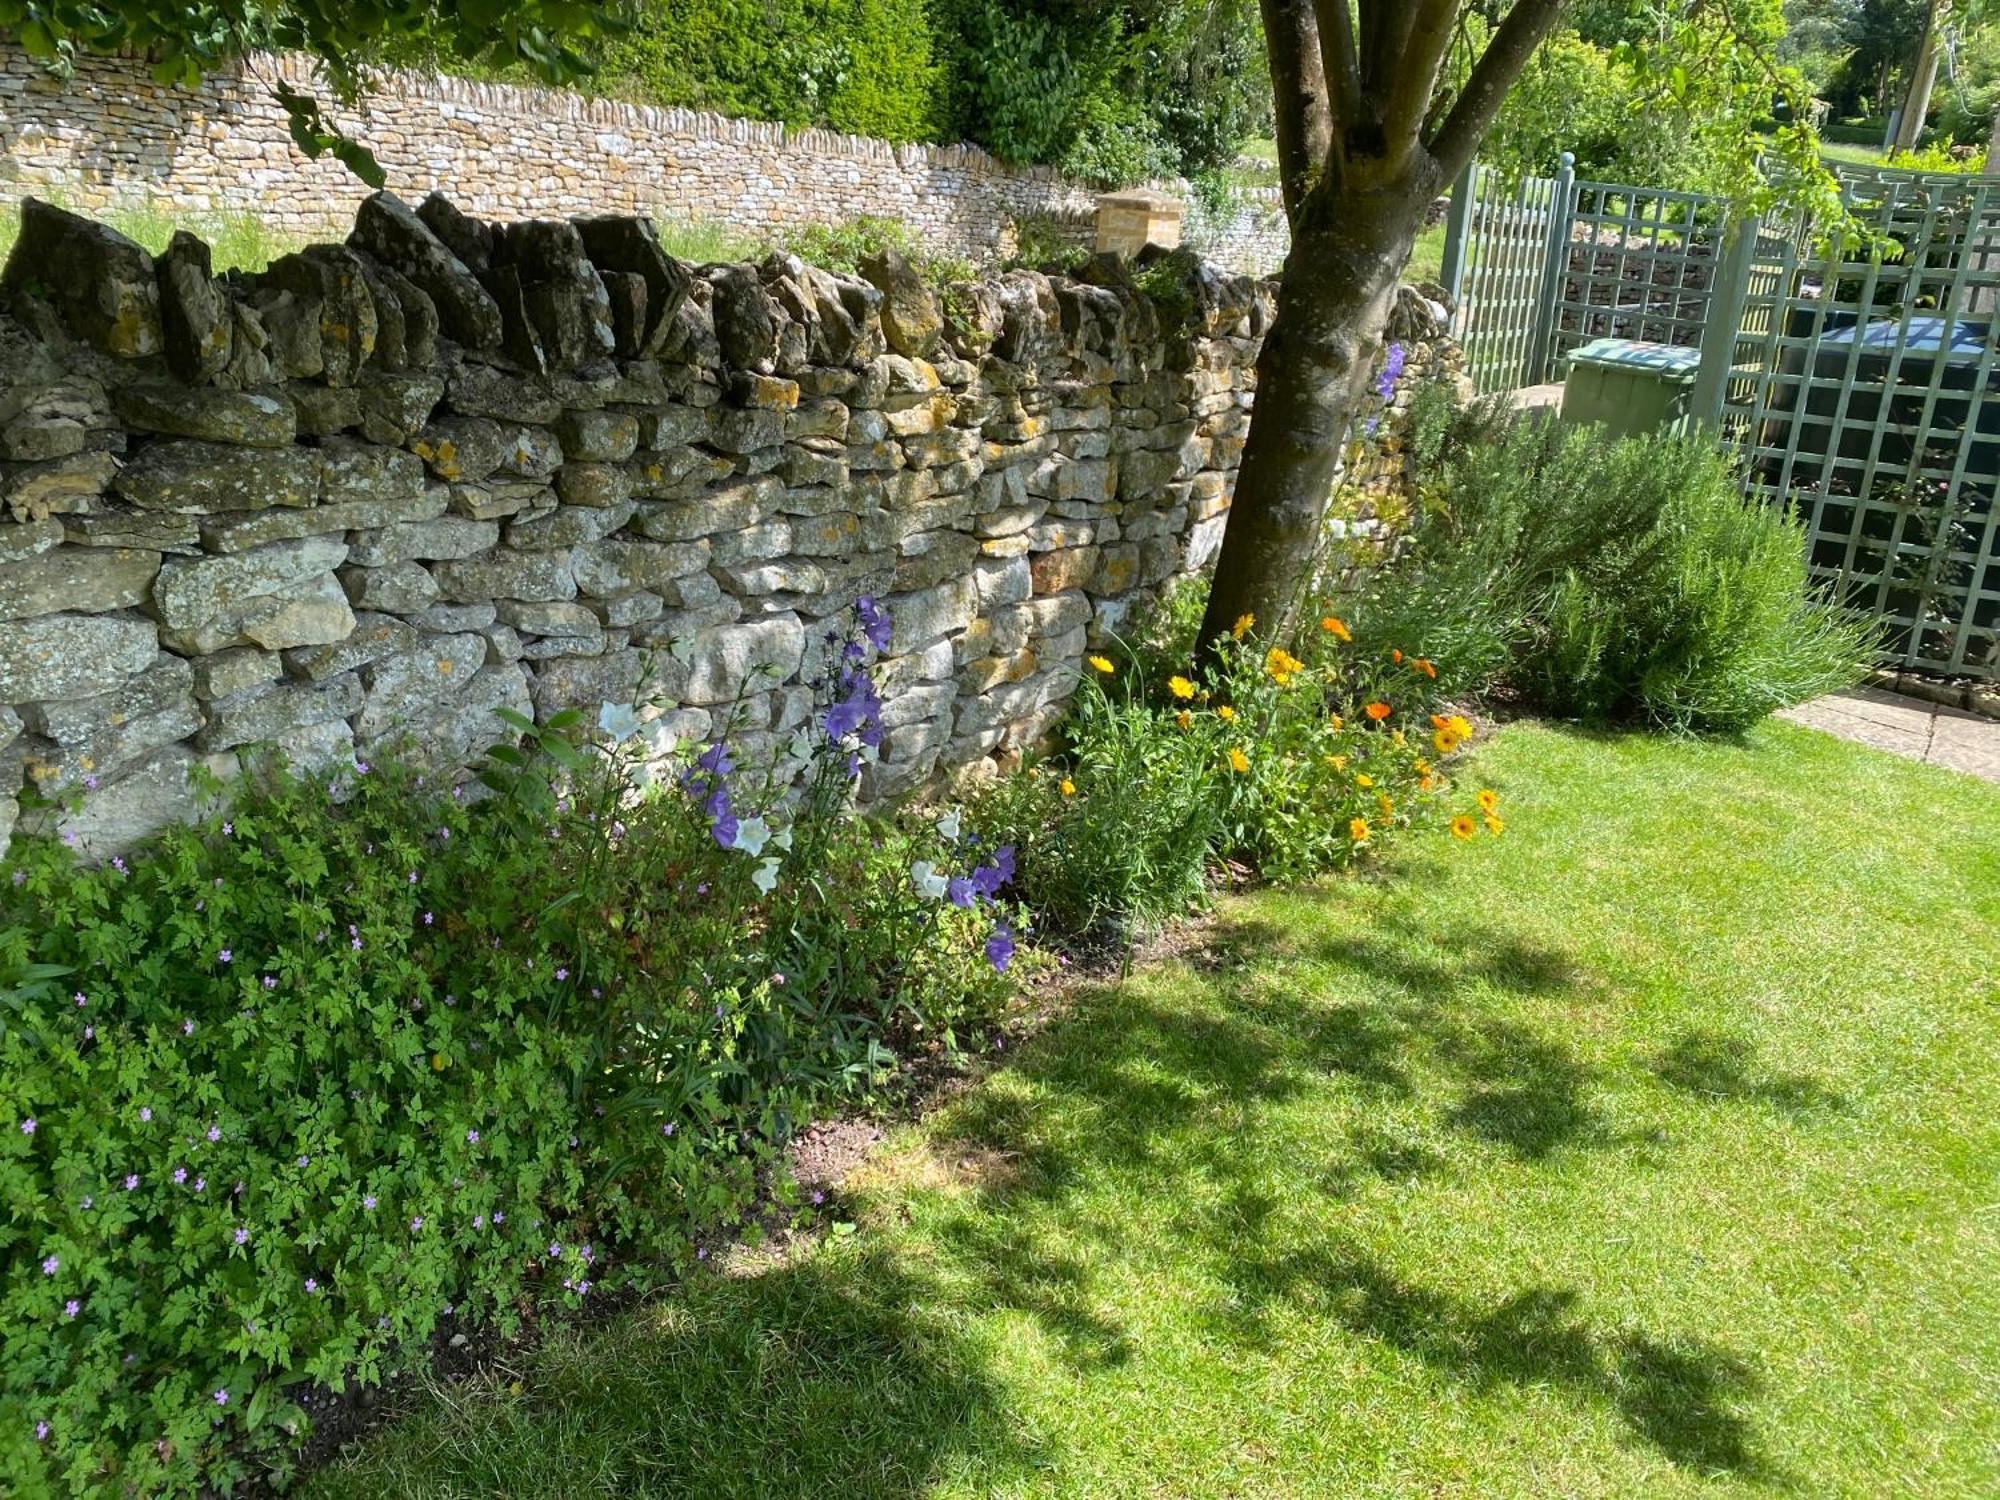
{"type": "Point", "coordinates": [369, 496]}
{"type": "Point", "coordinates": [114, 138]}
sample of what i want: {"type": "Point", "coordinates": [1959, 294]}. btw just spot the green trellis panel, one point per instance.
{"type": "Point", "coordinates": [1864, 390]}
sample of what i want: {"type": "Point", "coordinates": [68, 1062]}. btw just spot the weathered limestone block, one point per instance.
{"type": "Point", "coordinates": [333, 280]}
{"type": "Point", "coordinates": [395, 407]}
{"type": "Point", "coordinates": [193, 593]}
{"type": "Point", "coordinates": [85, 580]}
{"type": "Point", "coordinates": [470, 239]}
{"type": "Point", "coordinates": [483, 391]}
{"type": "Point", "coordinates": [195, 321]}
{"type": "Point", "coordinates": [780, 576]}
{"type": "Point", "coordinates": [920, 617]}
{"type": "Point", "coordinates": [594, 484]}
{"type": "Point", "coordinates": [373, 637]}
{"type": "Point", "coordinates": [247, 530]}
{"type": "Point", "coordinates": [93, 739]}
{"type": "Point", "coordinates": [1070, 568]}
{"type": "Point", "coordinates": [569, 526]}
{"type": "Point", "coordinates": [25, 539]}
{"type": "Point", "coordinates": [562, 295]}
{"type": "Point", "coordinates": [442, 539]}
{"type": "Point", "coordinates": [598, 436]}
{"type": "Point", "coordinates": [264, 713]}
{"type": "Point", "coordinates": [911, 321]}
{"type": "Point", "coordinates": [237, 670]}
{"type": "Point", "coordinates": [322, 410]}
{"type": "Point", "coordinates": [387, 229]}
{"type": "Point", "coordinates": [463, 449]}
{"type": "Point", "coordinates": [192, 477]}
{"type": "Point", "coordinates": [725, 659]}
{"type": "Point", "coordinates": [103, 283]}
{"type": "Point", "coordinates": [631, 245]}
{"type": "Point", "coordinates": [150, 796]}
{"type": "Point", "coordinates": [506, 574]}
{"type": "Point", "coordinates": [399, 588]}
{"type": "Point", "coordinates": [138, 531]}
{"type": "Point", "coordinates": [617, 565]}
{"type": "Point", "coordinates": [400, 684]}
{"type": "Point", "coordinates": [550, 617]}
{"type": "Point", "coordinates": [456, 731]}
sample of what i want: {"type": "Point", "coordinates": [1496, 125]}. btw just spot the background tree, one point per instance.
{"type": "Point", "coordinates": [1923, 78]}
{"type": "Point", "coordinates": [1379, 104]}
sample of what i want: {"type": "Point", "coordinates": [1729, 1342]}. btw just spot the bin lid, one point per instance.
{"type": "Point", "coordinates": [1962, 339]}
{"type": "Point", "coordinates": [1672, 362]}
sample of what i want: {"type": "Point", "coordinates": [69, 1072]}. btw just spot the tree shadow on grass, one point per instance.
{"type": "Point", "coordinates": [827, 1375]}
{"type": "Point", "coordinates": [1684, 1397]}
{"type": "Point", "coordinates": [1164, 1091]}
{"type": "Point", "coordinates": [1715, 1065]}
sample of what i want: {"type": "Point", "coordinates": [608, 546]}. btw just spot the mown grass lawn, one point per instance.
{"type": "Point", "coordinates": [1648, 1150]}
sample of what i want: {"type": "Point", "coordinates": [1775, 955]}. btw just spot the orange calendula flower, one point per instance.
{"type": "Point", "coordinates": [1225, 713]}
{"type": "Point", "coordinates": [1426, 781]}
{"type": "Point", "coordinates": [1377, 711]}
{"type": "Point", "coordinates": [1184, 719]}
{"type": "Point", "coordinates": [1238, 761]}
{"type": "Point", "coordinates": [1357, 829]}
{"type": "Point", "coordinates": [1067, 788]}
{"type": "Point", "coordinates": [1462, 826]}
{"type": "Point", "coordinates": [1489, 800]}
{"type": "Point", "coordinates": [1102, 664]}
{"type": "Point", "coordinates": [1494, 825]}
{"type": "Point", "coordinates": [1181, 688]}
{"type": "Point", "coordinates": [1334, 626]}
{"type": "Point", "coordinates": [1423, 666]}
{"type": "Point", "coordinates": [1396, 655]}
{"type": "Point", "coordinates": [1363, 781]}
{"type": "Point", "coordinates": [1242, 626]}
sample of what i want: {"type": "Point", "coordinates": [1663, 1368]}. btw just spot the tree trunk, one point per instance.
{"type": "Point", "coordinates": [1338, 284]}
{"type": "Point", "coordinates": [1923, 76]}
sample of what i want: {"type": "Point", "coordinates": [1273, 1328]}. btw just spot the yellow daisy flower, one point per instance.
{"type": "Point", "coordinates": [1238, 761]}
{"type": "Point", "coordinates": [1489, 800]}
{"type": "Point", "coordinates": [1357, 829]}
{"type": "Point", "coordinates": [1363, 780]}
{"type": "Point", "coordinates": [1242, 626]}
{"type": "Point", "coordinates": [1103, 664]}
{"type": "Point", "coordinates": [1184, 719]}
{"type": "Point", "coordinates": [1462, 826]}
{"type": "Point", "coordinates": [1180, 687]}
{"type": "Point", "coordinates": [1225, 713]}
{"type": "Point", "coordinates": [1494, 825]}
{"type": "Point", "coordinates": [1067, 787]}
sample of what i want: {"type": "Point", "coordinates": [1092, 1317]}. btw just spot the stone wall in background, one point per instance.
{"type": "Point", "coordinates": [372, 494]}
{"type": "Point", "coordinates": [113, 138]}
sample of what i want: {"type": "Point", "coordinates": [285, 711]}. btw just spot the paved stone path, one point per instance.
{"type": "Point", "coordinates": [1930, 732]}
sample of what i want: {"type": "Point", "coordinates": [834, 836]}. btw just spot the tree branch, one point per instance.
{"type": "Point", "coordinates": [1407, 96]}
{"type": "Point", "coordinates": [1298, 92]}
{"type": "Point", "coordinates": [1472, 114]}
{"type": "Point", "coordinates": [1385, 33]}
{"type": "Point", "coordinates": [1343, 64]}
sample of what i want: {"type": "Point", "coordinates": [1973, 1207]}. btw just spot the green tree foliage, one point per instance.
{"type": "Point", "coordinates": [867, 66]}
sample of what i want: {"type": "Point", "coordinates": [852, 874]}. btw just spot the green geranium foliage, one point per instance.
{"type": "Point", "coordinates": [360, 1054]}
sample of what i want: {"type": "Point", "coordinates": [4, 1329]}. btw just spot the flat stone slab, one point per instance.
{"type": "Point", "coordinates": [1929, 732]}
